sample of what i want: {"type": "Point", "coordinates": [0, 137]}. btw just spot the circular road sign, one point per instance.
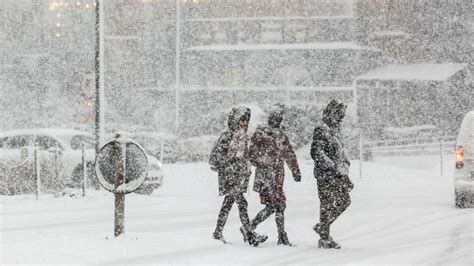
{"type": "Point", "coordinates": [131, 169]}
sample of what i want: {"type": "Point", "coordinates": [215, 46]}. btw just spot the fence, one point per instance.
{"type": "Point", "coordinates": [38, 174]}
{"type": "Point", "coordinates": [407, 147]}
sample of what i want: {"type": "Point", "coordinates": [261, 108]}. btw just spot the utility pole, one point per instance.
{"type": "Point", "coordinates": [99, 74]}
{"type": "Point", "coordinates": [177, 70]}
{"type": "Point", "coordinates": [3, 38]}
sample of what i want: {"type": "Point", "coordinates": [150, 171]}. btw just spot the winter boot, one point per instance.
{"type": "Point", "coordinates": [283, 239]}
{"type": "Point", "coordinates": [328, 244]}
{"type": "Point", "coordinates": [244, 234]}
{"type": "Point", "coordinates": [219, 236]}
{"type": "Point", "coordinates": [317, 229]}
{"type": "Point", "coordinates": [252, 238]}
{"type": "Point", "coordinates": [255, 239]}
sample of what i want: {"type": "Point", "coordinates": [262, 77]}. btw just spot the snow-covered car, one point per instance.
{"type": "Point", "coordinates": [17, 146]}
{"type": "Point", "coordinates": [155, 142]}
{"type": "Point", "coordinates": [154, 177]}
{"type": "Point", "coordinates": [464, 168]}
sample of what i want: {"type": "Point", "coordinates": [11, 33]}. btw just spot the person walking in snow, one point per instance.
{"type": "Point", "coordinates": [331, 169]}
{"type": "Point", "coordinates": [269, 149]}
{"type": "Point", "coordinates": [229, 157]}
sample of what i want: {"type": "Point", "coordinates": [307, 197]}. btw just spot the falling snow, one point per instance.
{"type": "Point", "coordinates": [172, 70]}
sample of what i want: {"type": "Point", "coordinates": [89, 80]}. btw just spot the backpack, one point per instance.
{"type": "Point", "coordinates": [213, 158]}
{"type": "Point", "coordinates": [218, 151]}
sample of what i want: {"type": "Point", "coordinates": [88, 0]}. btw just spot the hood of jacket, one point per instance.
{"type": "Point", "coordinates": [334, 112]}
{"type": "Point", "coordinates": [275, 116]}
{"type": "Point", "coordinates": [236, 114]}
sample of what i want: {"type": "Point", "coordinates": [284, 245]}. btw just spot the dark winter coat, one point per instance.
{"type": "Point", "coordinates": [233, 171]}
{"type": "Point", "coordinates": [269, 150]}
{"type": "Point", "coordinates": [331, 163]}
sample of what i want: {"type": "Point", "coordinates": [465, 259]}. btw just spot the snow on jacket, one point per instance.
{"type": "Point", "coordinates": [269, 150]}
{"type": "Point", "coordinates": [327, 148]}
{"type": "Point", "coordinates": [229, 155]}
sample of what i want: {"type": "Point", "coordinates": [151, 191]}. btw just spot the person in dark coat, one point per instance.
{"type": "Point", "coordinates": [331, 169]}
{"type": "Point", "coordinates": [269, 150]}
{"type": "Point", "coordinates": [229, 157]}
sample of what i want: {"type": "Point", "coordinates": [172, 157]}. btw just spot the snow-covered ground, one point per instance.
{"type": "Point", "coordinates": [402, 212]}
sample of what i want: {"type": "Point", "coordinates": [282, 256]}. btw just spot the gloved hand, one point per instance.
{"type": "Point", "coordinates": [347, 183]}
{"type": "Point", "coordinates": [329, 165]}
{"type": "Point", "coordinates": [297, 178]}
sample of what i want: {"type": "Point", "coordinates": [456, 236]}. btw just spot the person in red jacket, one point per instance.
{"type": "Point", "coordinates": [269, 150]}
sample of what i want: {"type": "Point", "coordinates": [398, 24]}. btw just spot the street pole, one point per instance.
{"type": "Point", "coordinates": [361, 152]}
{"type": "Point", "coordinates": [84, 170]}
{"type": "Point", "coordinates": [441, 146]}
{"type": "Point", "coordinates": [99, 75]}
{"type": "Point", "coordinates": [177, 70]}
{"type": "Point", "coordinates": [37, 171]}
{"type": "Point", "coordinates": [119, 215]}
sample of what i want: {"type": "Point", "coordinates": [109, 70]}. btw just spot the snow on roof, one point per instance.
{"type": "Point", "coordinates": [270, 18]}
{"type": "Point", "coordinates": [195, 88]}
{"type": "Point", "coordinates": [431, 72]}
{"type": "Point", "coordinates": [390, 33]}
{"type": "Point", "coordinates": [122, 37]}
{"type": "Point", "coordinates": [46, 131]}
{"type": "Point", "coordinates": [33, 55]}
{"type": "Point", "coordinates": [264, 88]}
{"type": "Point", "coordinates": [282, 46]}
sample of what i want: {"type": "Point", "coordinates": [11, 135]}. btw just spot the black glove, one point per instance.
{"type": "Point", "coordinates": [297, 178]}
{"type": "Point", "coordinates": [347, 183]}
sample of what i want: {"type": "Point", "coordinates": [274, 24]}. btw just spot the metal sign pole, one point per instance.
{"type": "Point", "coordinates": [84, 171]}
{"type": "Point", "coordinates": [161, 150]}
{"type": "Point", "coordinates": [119, 197]}
{"type": "Point", "coordinates": [111, 168]}
{"type": "Point", "coordinates": [57, 170]}
{"type": "Point", "coordinates": [37, 172]}
{"type": "Point", "coordinates": [441, 144]}
{"type": "Point", "coordinates": [361, 153]}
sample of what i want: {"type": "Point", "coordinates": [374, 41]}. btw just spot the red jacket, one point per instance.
{"type": "Point", "coordinates": [269, 150]}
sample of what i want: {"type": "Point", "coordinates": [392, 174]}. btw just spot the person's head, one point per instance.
{"type": "Point", "coordinates": [243, 124]}
{"type": "Point", "coordinates": [275, 116]}
{"type": "Point", "coordinates": [334, 112]}
{"type": "Point", "coordinates": [239, 117]}
{"type": "Point", "coordinates": [245, 120]}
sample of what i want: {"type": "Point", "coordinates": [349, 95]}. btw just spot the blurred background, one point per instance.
{"type": "Point", "coordinates": [174, 68]}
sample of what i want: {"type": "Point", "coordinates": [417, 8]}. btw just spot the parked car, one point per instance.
{"type": "Point", "coordinates": [464, 167]}
{"type": "Point", "coordinates": [17, 146]}
{"type": "Point", "coordinates": [155, 142]}
{"type": "Point", "coordinates": [154, 177]}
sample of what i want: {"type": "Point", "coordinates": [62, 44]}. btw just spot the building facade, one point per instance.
{"type": "Point", "coordinates": [172, 59]}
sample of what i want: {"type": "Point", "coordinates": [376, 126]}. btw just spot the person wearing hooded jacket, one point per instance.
{"type": "Point", "coordinates": [229, 157]}
{"type": "Point", "coordinates": [331, 169]}
{"type": "Point", "coordinates": [270, 148]}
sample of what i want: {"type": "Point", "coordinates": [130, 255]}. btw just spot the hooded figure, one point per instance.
{"type": "Point", "coordinates": [229, 157]}
{"type": "Point", "coordinates": [270, 148]}
{"type": "Point", "coordinates": [331, 169]}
